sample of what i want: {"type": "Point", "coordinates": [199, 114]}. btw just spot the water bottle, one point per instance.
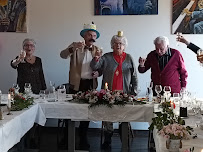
{"type": "Point", "coordinates": [150, 94]}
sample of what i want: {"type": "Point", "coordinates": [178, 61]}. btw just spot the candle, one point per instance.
{"type": "Point", "coordinates": [202, 150]}
{"type": "Point", "coordinates": [106, 86]}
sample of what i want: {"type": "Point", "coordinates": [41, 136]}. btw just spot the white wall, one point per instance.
{"type": "Point", "coordinates": [55, 24]}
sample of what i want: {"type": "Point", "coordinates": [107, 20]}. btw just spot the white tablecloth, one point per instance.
{"type": "Point", "coordinates": [128, 113]}
{"type": "Point", "coordinates": [14, 127]}
{"type": "Point", "coordinates": [76, 111]}
{"type": "Point", "coordinates": [64, 110]}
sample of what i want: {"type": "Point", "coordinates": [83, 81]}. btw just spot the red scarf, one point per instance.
{"type": "Point", "coordinates": [118, 77]}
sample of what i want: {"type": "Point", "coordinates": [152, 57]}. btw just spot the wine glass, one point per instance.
{"type": "Point", "coordinates": [197, 108]}
{"type": "Point", "coordinates": [176, 97]}
{"type": "Point", "coordinates": [158, 89]}
{"type": "Point", "coordinates": [42, 94]}
{"type": "Point", "coordinates": [167, 92]}
{"type": "Point", "coordinates": [24, 55]}
{"type": "Point", "coordinates": [16, 87]}
{"type": "Point", "coordinates": [28, 88]}
{"type": "Point", "coordinates": [200, 56]}
{"type": "Point", "coordinates": [178, 34]}
{"type": "Point", "coordinates": [61, 92]}
{"type": "Point", "coordinates": [167, 89]}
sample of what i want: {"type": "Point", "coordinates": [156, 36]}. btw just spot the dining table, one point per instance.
{"type": "Point", "coordinates": [14, 127]}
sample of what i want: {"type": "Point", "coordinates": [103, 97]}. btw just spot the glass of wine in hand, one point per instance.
{"type": "Point", "coordinates": [23, 53]}
{"type": "Point", "coordinates": [178, 34]}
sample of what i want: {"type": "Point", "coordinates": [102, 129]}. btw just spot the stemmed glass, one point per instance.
{"type": "Point", "coordinates": [167, 92]}
{"type": "Point", "coordinates": [197, 108]}
{"type": "Point", "coordinates": [167, 89]}
{"type": "Point", "coordinates": [16, 87]}
{"type": "Point", "coordinates": [42, 94]}
{"type": "Point", "coordinates": [24, 55]}
{"type": "Point", "coordinates": [176, 97]}
{"type": "Point", "coordinates": [61, 92]}
{"type": "Point", "coordinates": [200, 56]}
{"type": "Point", "coordinates": [178, 34]}
{"type": "Point", "coordinates": [158, 89]}
{"type": "Point", "coordinates": [28, 88]}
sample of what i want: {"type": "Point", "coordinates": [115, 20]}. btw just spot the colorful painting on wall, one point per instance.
{"type": "Point", "coordinates": [187, 17]}
{"type": "Point", "coordinates": [13, 16]}
{"type": "Point", "coordinates": [125, 7]}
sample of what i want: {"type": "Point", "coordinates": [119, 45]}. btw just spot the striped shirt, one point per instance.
{"type": "Point", "coordinates": [163, 60]}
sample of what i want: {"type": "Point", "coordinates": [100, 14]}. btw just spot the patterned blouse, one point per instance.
{"type": "Point", "coordinates": [30, 73]}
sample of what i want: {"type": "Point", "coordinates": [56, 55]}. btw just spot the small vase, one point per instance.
{"type": "Point", "coordinates": [173, 145]}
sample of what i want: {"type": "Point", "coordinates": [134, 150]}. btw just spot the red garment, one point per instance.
{"type": "Point", "coordinates": [118, 77]}
{"type": "Point", "coordinates": [174, 73]}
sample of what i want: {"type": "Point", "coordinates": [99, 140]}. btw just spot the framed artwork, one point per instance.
{"type": "Point", "coordinates": [13, 16]}
{"type": "Point", "coordinates": [187, 17]}
{"type": "Point", "coordinates": [125, 7]}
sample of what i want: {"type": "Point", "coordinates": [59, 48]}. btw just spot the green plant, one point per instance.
{"type": "Point", "coordinates": [165, 117]}
{"type": "Point", "coordinates": [21, 102]}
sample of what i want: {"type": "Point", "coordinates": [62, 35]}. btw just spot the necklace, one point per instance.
{"type": "Point", "coordinates": [29, 58]}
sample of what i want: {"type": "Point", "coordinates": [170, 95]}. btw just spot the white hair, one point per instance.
{"type": "Point", "coordinates": [123, 40]}
{"type": "Point", "coordinates": [161, 39]}
{"type": "Point", "coordinates": [27, 40]}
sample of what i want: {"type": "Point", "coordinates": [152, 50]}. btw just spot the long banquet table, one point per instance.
{"type": "Point", "coordinates": [76, 112]}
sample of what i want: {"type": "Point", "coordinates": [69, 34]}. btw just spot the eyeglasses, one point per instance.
{"type": "Point", "coordinates": [31, 45]}
{"type": "Point", "coordinates": [118, 43]}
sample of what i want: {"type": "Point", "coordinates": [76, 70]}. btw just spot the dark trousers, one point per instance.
{"type": "Point", "coordinates": [85, 85]}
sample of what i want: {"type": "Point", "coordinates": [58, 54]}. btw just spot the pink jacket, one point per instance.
{"type": "Point", "coordinates": [174, 73]}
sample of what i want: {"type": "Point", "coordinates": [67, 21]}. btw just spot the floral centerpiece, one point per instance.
{"type": "Point", "coordinates": [103, 97]}
{"type": "Point", "coordinates": [20, 101]}
{"type": "Point", "coordinates": [175, 131]}
{"type": "Point", "coordinates": [170, 126]}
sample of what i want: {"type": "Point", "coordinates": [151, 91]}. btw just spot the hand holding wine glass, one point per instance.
{"type": "Point", "coordinates": [142, 61]}
{"type": "Point", "coordinates": [22, 56]}
{"type": "Point", "coordinates": [179, 35]}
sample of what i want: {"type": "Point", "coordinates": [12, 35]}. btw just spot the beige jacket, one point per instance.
{"type": "Point", "coordinates": [76, 59]}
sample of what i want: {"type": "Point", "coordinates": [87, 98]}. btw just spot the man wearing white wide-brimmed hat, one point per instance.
{"type": "Point", "coordinates": [81, 76]}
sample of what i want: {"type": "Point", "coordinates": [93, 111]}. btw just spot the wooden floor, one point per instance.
{"type": "Point", "coordinates": [48, 142]}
